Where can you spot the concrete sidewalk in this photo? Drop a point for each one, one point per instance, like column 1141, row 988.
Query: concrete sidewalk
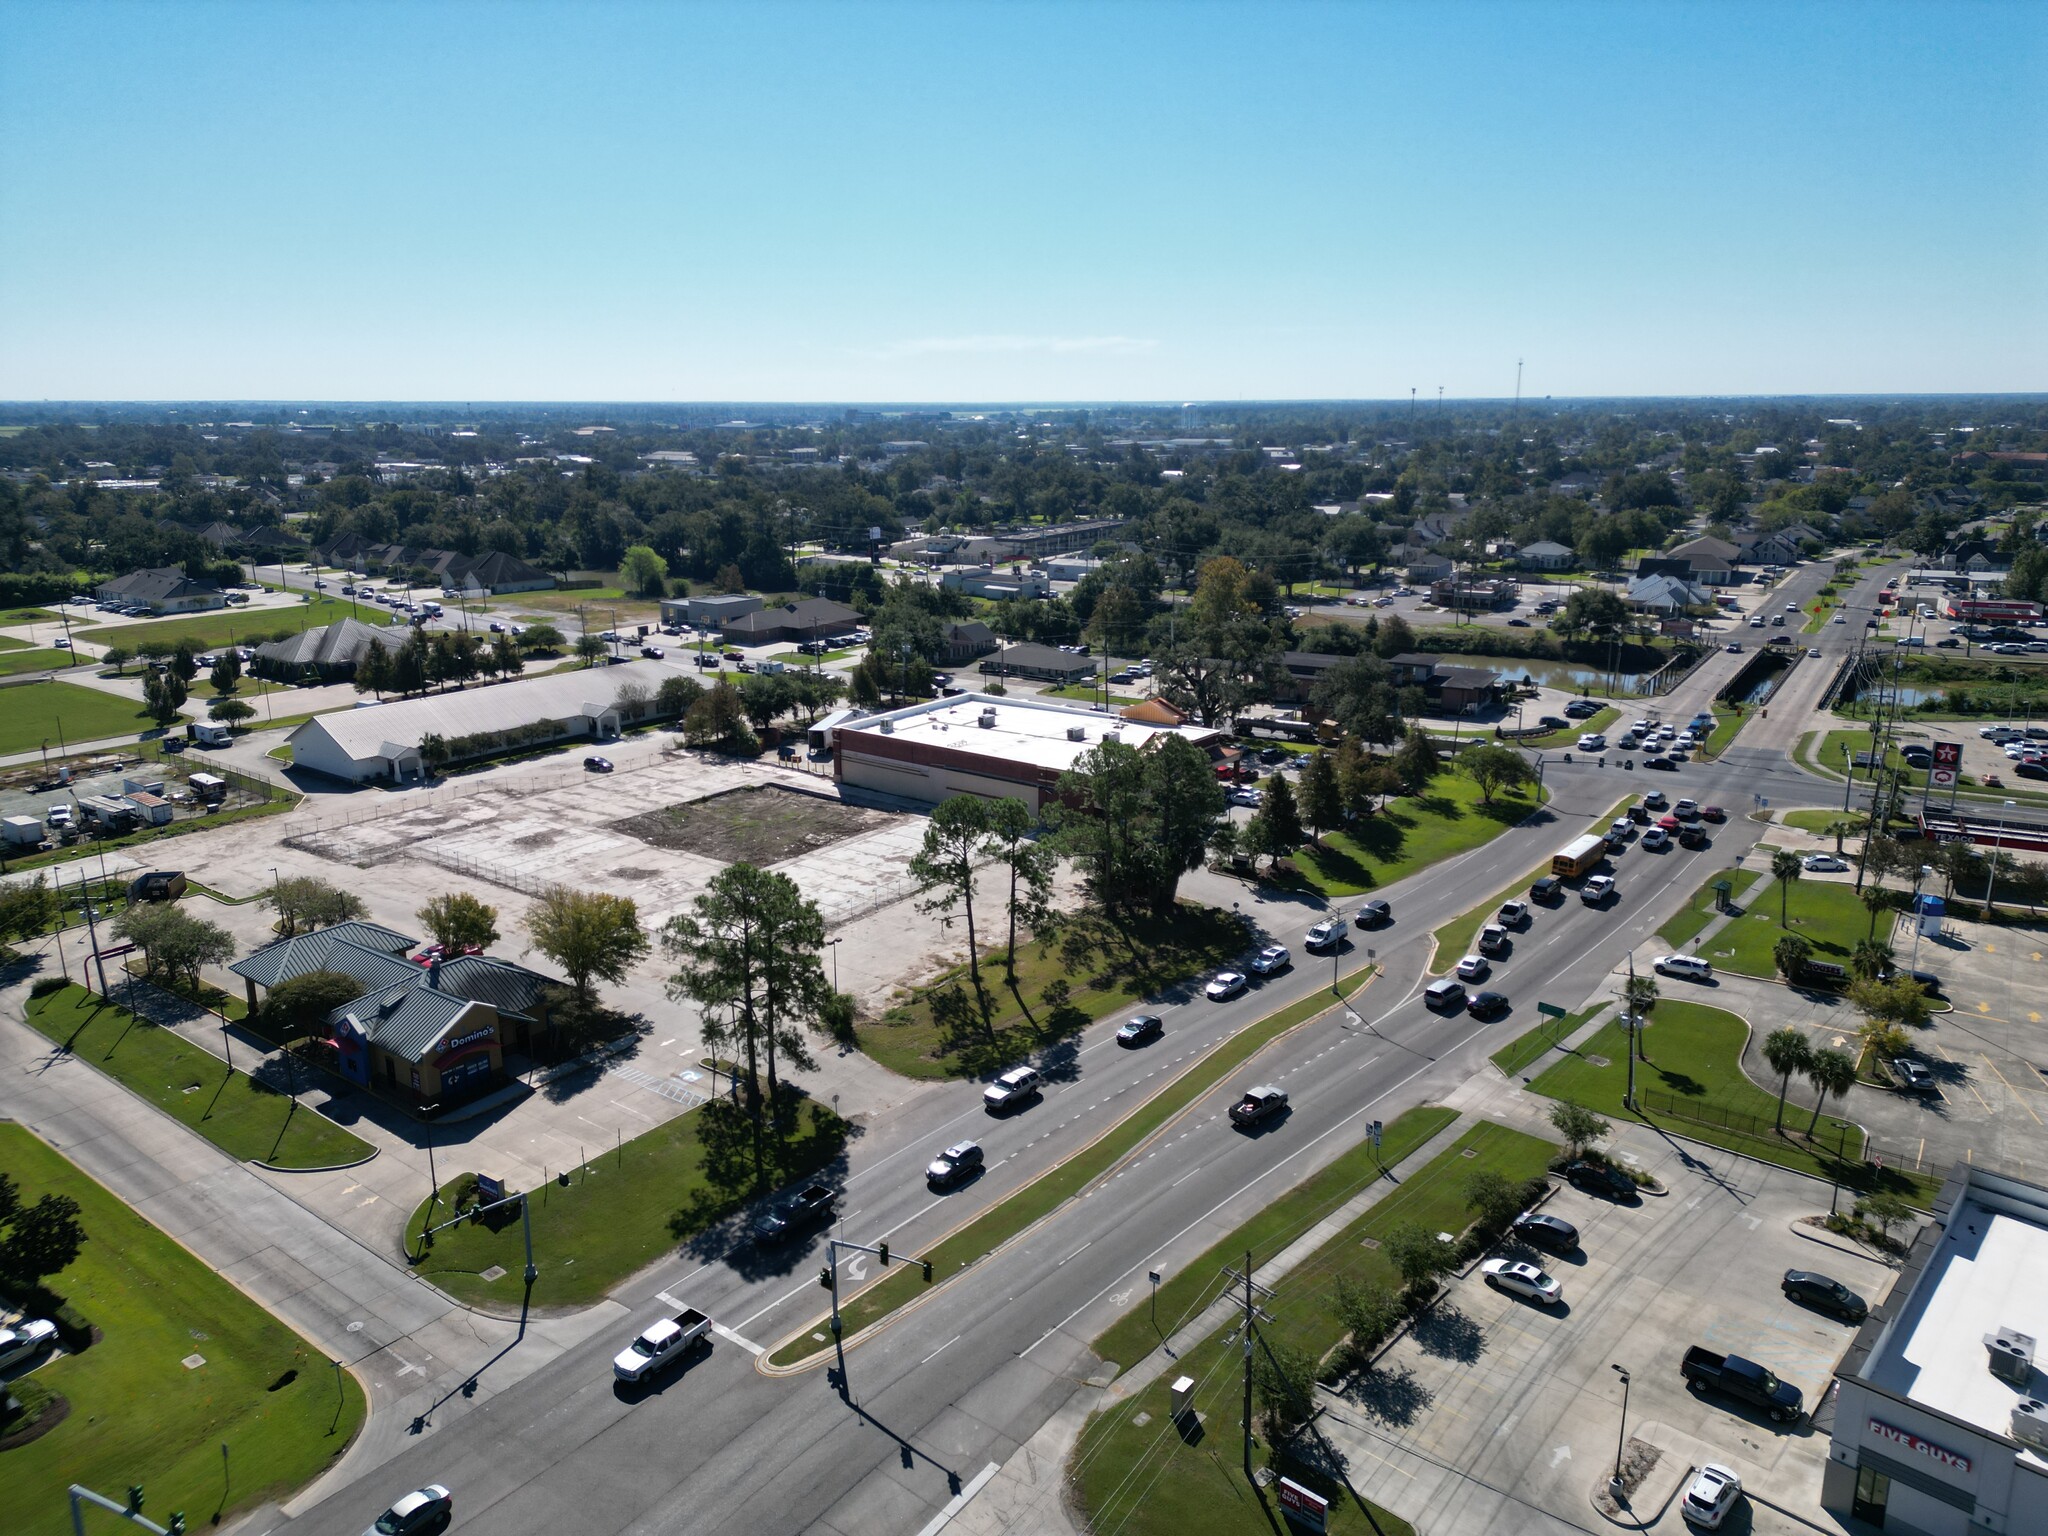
column 413, row 1349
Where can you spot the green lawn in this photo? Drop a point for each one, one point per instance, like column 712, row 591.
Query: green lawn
column 39, row 659
column 1408, row 834
column 1136, row 1472
column 15, row 616
column 233, row 626
column 1682, row 926
column 996, row 1226
column 1106, row 968
column 799, row 659
column 1692, row 1078
column 626, row 1209
column 1153, row 1318
column 1091, row 693
column 1532, row 1043
column 137, row 1413
column 1822, row 821
column 1822, row 910
column 1728, row 719
column 40, row 712
column 1569, row 736
column 244, row 1118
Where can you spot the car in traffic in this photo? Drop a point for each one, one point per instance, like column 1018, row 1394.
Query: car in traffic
column 955, row 1165
column 1015, row 1088
column 1823, row 864
column 1600, row 1179
column 1690, row 967
column 1655, row 838
column 1274, row 957
column 1593, row 742
column 1445, row 995
column 1547, row 889
column 598, row 764
column 1713, row 813
column 788, row 1215
column 1474, row 968
column 1487, row 1005
column 420, row 1513
column 1692, row 837
column 1258, row 1105
column 1655, row 800
column 1513, row 914
column 660, row 1344
column 1494, row 940
column 1596, row 890
column 1140, row 1029
column 1540, row 1229
column 1522, row 1279
column 1328, row 934
column 653, row 652
column 1710, row 1495
column 1374, row 914
column 1224, row 985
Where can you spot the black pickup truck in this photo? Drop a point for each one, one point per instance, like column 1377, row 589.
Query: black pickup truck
column 1744, row 1379
column 795, row 1212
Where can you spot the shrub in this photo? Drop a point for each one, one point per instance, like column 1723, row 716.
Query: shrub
column 45, row 985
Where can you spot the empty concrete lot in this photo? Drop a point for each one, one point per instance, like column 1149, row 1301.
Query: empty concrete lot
column 522, row 837
column 1498, row 1414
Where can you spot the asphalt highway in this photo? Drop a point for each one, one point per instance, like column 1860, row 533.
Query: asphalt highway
column 954, row 1384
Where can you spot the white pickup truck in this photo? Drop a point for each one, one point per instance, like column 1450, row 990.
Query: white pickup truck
column 660, row 1343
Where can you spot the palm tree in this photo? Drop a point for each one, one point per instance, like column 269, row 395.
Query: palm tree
column 1840, row 827
column 1638, row 997
column 1787, row 1052
column 1790, row 954
column 1875, row 898
column 1785, row 869
column 1830, row 1071
column 1871, row 958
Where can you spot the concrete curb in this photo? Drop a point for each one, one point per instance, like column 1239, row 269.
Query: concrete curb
column 323, row 1168
column 763, row 1362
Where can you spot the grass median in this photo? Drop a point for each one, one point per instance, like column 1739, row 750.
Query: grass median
column 987, row 1232
column 1684, row 925
column 192, row 1390
column 1568, row 738
column 1408, row 835
column 247, row 1118
column 1535, row 1043
column 1139, row 1471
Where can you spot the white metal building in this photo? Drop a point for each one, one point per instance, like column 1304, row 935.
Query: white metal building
column 1941, row 1411
column 978, row 744
column 383, row 741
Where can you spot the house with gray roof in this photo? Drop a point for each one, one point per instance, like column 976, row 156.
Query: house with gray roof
column 162, row 589
column 1666, row 594
column 364, row 952
column 1545, row 555
column 328, row 652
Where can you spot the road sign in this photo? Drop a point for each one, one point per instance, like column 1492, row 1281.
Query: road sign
column 1376, row 1129
column 1550, row 1010
column 1947, row 754
column 1942, row 778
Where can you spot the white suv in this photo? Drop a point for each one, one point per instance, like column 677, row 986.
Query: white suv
column 1593, row 743
column 1017, row 1086
column 1691, row 967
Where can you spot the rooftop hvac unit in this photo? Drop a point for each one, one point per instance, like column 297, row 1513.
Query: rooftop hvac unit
column 1077, row 733
column 888, row 727
column 2012, row 1355
column 988, row 719
column 2030, row 1422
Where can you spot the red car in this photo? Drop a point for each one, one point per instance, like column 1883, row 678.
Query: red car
column 435, row 952
column 1668, row 823
column 1713, row 813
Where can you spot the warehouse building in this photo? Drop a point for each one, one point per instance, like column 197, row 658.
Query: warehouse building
column 977, row 744
column 1941, row 1409
column 382, row 742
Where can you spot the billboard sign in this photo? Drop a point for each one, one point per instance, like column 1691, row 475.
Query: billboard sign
column 1303, row 1505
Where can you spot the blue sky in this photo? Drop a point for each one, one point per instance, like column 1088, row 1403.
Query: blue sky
column 1020, row 202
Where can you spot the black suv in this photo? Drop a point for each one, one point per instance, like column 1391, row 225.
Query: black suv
column 1374, row 914
column 1548, row 888
column 1600, row 1179
column 1541, row 1230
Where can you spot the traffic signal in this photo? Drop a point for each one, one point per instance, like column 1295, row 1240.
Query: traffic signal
column 825, row 1277
column 135, row 1498
column 177, row 1525
column 882, row 1253
column 927, row 1263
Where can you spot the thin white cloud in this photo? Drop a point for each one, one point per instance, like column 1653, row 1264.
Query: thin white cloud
column 929, row 345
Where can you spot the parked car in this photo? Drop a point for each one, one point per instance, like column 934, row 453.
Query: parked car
column 26, row 1339
column 1713, row 1491
column 1016, row 1087
column 1744, row 1379
column 1374, row 914
column 1274, row 957
column 1224, row 985
column 1524, row 1280
column 955, row 1165
column 1691, row 967
column 419, row 1513
column 1539, row 1229
column 1822, row 864
column 1911, row 1074
column 1600, row 1179
column 1824, row 1294
column 1246, row 796
column 1140, row 1028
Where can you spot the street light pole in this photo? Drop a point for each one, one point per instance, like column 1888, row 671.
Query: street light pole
column 1991, row 864
column 1925, row 870
column 1621, row 1436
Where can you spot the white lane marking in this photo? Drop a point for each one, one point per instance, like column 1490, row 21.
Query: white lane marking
column 1037, row 1341
column 747, row 1344
column 668, row 1301
column 959, row 1500
column 928, row 1359
column 1075, row 1254
column 812, row 1284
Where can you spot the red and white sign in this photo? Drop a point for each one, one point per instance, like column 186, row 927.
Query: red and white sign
column 1304, row 1504
column 1942, row 778
column 1947, row 754
column 1906, row 1440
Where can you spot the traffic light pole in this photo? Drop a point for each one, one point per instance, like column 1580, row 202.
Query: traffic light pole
column 131, row 1511
column 829, row 1279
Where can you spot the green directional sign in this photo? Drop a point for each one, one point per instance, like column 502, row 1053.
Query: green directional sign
column 1550, row 1010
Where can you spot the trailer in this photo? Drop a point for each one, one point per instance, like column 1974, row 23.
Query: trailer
column 21, row 832
column 209, row 787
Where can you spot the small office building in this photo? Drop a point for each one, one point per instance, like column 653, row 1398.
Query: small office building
column 1941, row 1410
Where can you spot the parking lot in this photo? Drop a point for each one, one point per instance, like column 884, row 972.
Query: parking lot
column 1497, row 1412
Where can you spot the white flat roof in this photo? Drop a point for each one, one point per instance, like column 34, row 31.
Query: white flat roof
column 1025, row 731
column 1986, row 1274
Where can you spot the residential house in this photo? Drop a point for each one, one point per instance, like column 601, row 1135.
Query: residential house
column 1711, row 561
column 966, row 640
column 1545, row 555
column 1449, row 689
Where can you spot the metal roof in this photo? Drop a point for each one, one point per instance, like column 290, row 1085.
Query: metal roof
column 511, row 989
column 367, row 954
column 382, row 729
column 408, row 1021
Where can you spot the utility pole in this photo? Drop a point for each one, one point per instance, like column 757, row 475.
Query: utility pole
column 1252, row 1291
column 1634, row 1024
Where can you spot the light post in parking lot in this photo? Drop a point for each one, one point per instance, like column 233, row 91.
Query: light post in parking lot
column 833, row 945
column 1925, row 870
column 1614, row 1486
column 1991, row 863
